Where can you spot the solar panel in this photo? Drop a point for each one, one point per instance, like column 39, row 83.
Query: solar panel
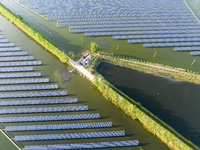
column 22, row 58
column 85, row 145
column 171, row 44
column 23, row 81
column 16, row 69
column 33, row 94
column 38, row 102
column 20, row 63
column 7, row 49
column 69, row 136
column 43, row 109
column 20, row 75
column 28, row 87
column 50, row 118
column 59, row 126
column 13, row 53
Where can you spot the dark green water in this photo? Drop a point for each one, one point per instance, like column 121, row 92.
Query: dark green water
column 175, row 102
column 79, row 87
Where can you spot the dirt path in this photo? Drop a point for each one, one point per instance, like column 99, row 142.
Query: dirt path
column 81, row 69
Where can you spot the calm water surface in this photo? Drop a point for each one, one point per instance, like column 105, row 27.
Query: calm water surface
column 175, row 102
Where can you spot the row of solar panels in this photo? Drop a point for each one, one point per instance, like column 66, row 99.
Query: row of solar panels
column 136, row 29
column 33, row 94
column 3, row 40
column 171, row 44
column 50, row 118
column 153, row 19
column 6, row 44
column 164, row 40
column 70, row 12
column 20, row 63
column 156, row 36
column 43, row 109
column 100, row 4
column 28, row 87
column 21, row 53
column 170, row 14
column 178, row 24
column 43, row 8
column 20, row 75
column 195, row 53
column 38, row 102
column 23, row 81
column 6, row 49
column 84, row 145
column 69, row 136
column 194, row 48
column 22, row 58
column 16, row 69
column 62, row 9
column 142, row 32
column 59, row 126
column 85, row 19
column 126, row 21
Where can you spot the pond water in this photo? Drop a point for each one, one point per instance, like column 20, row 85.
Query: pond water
column 175, row 102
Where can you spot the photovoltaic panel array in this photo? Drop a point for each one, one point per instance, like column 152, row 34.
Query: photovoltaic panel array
column 26, row 84
column 49, row 118
column 8, row 49
column 128, row 19
column 59, row 126
column 13, row 53
column 28, row 87
column 15, row 69
column 38, row 102
column 20, row 75
column 42, row 109
column 69, row 136
column 33, row 94
column 85, row 145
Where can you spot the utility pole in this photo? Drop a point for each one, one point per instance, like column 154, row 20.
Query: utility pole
column 155, row 54
column 117, row 46
column 193, row 62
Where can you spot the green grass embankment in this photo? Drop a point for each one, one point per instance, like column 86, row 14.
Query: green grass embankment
column 176, row 73
column 28, row 29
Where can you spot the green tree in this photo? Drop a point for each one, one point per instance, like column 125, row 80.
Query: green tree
column 94, row 47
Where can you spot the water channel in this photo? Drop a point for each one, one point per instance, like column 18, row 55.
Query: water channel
column 79, row 87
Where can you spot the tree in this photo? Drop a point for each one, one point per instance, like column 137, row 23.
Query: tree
column 94, row 47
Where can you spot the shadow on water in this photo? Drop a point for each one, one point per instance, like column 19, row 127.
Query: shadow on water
column 166, row 99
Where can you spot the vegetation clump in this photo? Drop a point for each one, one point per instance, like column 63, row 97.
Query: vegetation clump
column 94, row 47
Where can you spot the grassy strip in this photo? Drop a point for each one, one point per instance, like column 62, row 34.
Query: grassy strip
column 28, row 29
column 176, row 73
column 154, row 125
